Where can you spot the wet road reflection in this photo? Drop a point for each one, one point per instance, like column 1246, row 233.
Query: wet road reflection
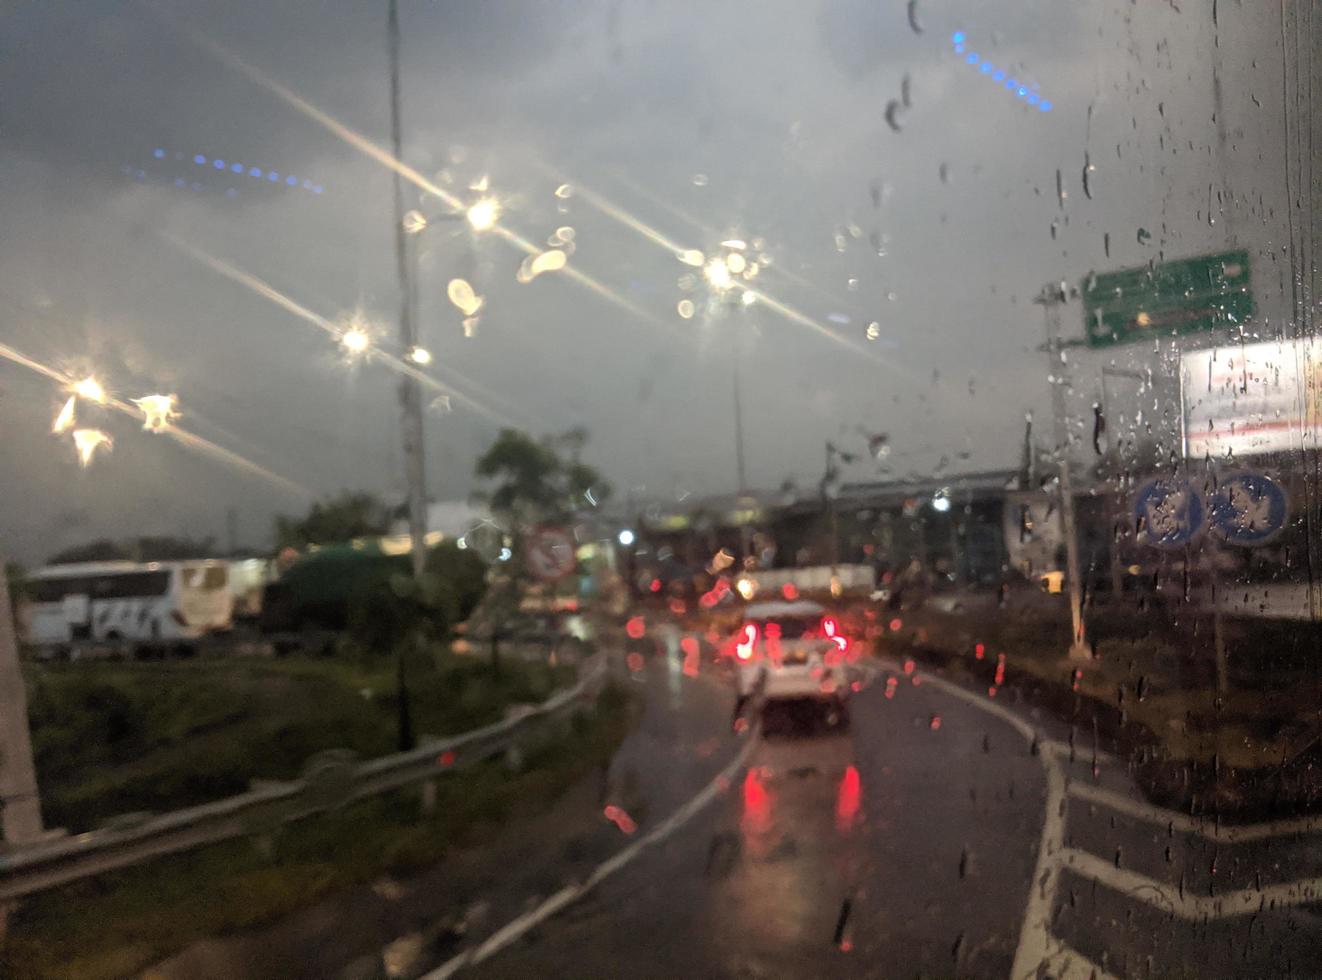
column 897, row 846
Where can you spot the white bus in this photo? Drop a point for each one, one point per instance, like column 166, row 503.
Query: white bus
column 127, row 606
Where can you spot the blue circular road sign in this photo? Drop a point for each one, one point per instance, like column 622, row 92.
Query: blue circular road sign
column 1247, row 509
column 1168, row 513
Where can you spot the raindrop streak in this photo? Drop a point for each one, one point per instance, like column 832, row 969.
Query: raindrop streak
column 1088, row 169
column 893, row 115
column 914, row 23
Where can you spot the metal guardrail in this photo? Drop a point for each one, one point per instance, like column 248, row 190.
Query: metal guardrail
column 263, row 809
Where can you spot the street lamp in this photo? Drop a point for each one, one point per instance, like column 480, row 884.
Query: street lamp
column 727, row 273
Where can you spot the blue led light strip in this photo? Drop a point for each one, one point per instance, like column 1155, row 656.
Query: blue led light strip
column 1023, row 91
column 257, row 173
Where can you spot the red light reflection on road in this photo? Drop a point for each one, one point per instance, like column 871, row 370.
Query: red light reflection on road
column 848, row 798
column 446, row 758
column 891, row 684
column 979, row 650
column 620, row 818
column 756, row 820
column 692, row 654
column 635, row 661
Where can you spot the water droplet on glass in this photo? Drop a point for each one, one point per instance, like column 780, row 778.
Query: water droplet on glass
column 892, row 296
column 439, row 405
column 944, row 172
column 414, row 221
column 534, row 265
column 841, row 243
column 470, row 326
column 691, row 256
column 461, row 295
column 686, row 309
column 564, row 192
column 852, row 285
column 893, row 115
column 688, row 282
column 914, row 23
column 699, row 180
column 1088, row 170
column 1144, row 236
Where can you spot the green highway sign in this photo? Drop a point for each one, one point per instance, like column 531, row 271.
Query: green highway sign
column 1187, row 296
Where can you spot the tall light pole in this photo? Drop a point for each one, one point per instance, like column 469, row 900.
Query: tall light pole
column 1053, row 295
column 410, row 392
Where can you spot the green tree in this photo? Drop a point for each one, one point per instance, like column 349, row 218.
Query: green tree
column 334, row 521
column 540, row 480
column 537, row 481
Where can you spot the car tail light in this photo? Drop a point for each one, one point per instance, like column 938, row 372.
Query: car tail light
column 831, row 629
column 747, row 641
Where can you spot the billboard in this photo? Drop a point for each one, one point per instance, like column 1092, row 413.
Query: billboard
column 1251, row 399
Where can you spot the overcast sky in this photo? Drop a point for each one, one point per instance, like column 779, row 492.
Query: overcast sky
column 702, row 121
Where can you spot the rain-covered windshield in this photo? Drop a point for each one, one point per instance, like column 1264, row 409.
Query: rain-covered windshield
column 488, row 366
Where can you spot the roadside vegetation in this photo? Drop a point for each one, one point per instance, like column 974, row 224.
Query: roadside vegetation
column 1151, row 690
column 120, row 923
column 111, row 738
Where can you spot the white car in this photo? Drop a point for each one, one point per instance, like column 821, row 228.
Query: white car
column 790, row 651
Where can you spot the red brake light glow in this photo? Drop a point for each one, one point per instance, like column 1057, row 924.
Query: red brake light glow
column 831, row 628
column 747, row 641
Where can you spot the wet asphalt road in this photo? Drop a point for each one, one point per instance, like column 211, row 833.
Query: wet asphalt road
column 901, row 847
column 928, row 841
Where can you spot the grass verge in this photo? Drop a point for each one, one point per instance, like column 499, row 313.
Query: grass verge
column 1150, row 694
column 117, row 924
column 117, row 738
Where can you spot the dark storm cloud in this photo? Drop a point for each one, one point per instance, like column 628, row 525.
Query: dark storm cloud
column 780, row 107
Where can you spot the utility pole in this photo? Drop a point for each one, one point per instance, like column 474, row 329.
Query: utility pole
column 20, row 806
column 1052, row 297
column 410, row 393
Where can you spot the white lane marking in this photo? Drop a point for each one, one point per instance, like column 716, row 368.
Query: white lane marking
column 1036, row 944
column 1186, row 905
column 1183, row 822
column 1069, row 964
column 571, row 893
